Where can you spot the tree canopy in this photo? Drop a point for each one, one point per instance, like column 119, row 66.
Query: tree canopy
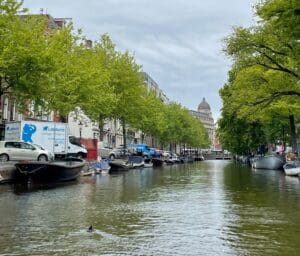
column 263, row 84
column 52, row 67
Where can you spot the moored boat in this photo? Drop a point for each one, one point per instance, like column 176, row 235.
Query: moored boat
column 119, row 165
column 157, row 161
column 136, row 161
column 148, row 163
column 101, row 166
column 7, row 173
column 292, row 168
column 188, row 159
column 271, row 162
column 48, row 172
column 173, row 159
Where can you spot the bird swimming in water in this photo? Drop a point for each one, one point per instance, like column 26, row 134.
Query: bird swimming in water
column 90, row 229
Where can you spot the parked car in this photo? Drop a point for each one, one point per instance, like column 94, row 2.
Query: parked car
column 118, row 152
column 17, row 150
column 140, row 149
column 174, row 158
column 166, row 153
column 155, row 153
column 105, row 151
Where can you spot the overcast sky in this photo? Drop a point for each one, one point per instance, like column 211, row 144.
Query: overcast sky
column 177, row 42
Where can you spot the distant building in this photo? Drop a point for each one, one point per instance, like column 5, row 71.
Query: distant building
column 204, row 114
column 152, row 85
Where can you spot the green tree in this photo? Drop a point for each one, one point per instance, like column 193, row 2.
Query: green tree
column 182, row 128
column 23, row 62
column 151, row 115
column 128, row 86
column 78, row 77
column 50, row 67
column 265, row 76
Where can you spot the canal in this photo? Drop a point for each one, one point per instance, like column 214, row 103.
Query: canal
column 206, row 208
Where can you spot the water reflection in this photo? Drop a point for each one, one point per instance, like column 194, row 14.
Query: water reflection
column 205, row 208
column 266, row 207
column 21, row 188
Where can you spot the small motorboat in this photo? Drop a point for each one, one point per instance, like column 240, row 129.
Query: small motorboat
column 271, row 162
column 172, row 159
column 48, row 172
column 157, row 161
column 101, row 166
column 136, row 161
column 119, row 165
column 189, row 159
column 7, row 173
column 148, row 163
column 292, row 168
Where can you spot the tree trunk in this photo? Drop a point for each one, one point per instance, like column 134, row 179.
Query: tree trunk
column 293, row 133
column 124, row 133
column 100, row 127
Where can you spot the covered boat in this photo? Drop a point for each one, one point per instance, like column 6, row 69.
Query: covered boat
column 101, row 166
column 271, row 162
column 48, row 172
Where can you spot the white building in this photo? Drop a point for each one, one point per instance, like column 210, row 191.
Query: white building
column 152, row 85
column 204, row 114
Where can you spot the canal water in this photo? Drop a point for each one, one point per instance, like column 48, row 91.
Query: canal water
column 205, row 208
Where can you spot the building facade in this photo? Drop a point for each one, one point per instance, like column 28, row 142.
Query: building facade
column 153, row 86
column 205, row 116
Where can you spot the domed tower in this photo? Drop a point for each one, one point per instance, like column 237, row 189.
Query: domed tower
column 204, row 107
column 205, row 115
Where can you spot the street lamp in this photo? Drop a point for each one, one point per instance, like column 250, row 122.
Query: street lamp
column 80, row 124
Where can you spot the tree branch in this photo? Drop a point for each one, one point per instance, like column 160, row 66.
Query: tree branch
column 266, row 101
column 279, row 67
column 262, row 46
